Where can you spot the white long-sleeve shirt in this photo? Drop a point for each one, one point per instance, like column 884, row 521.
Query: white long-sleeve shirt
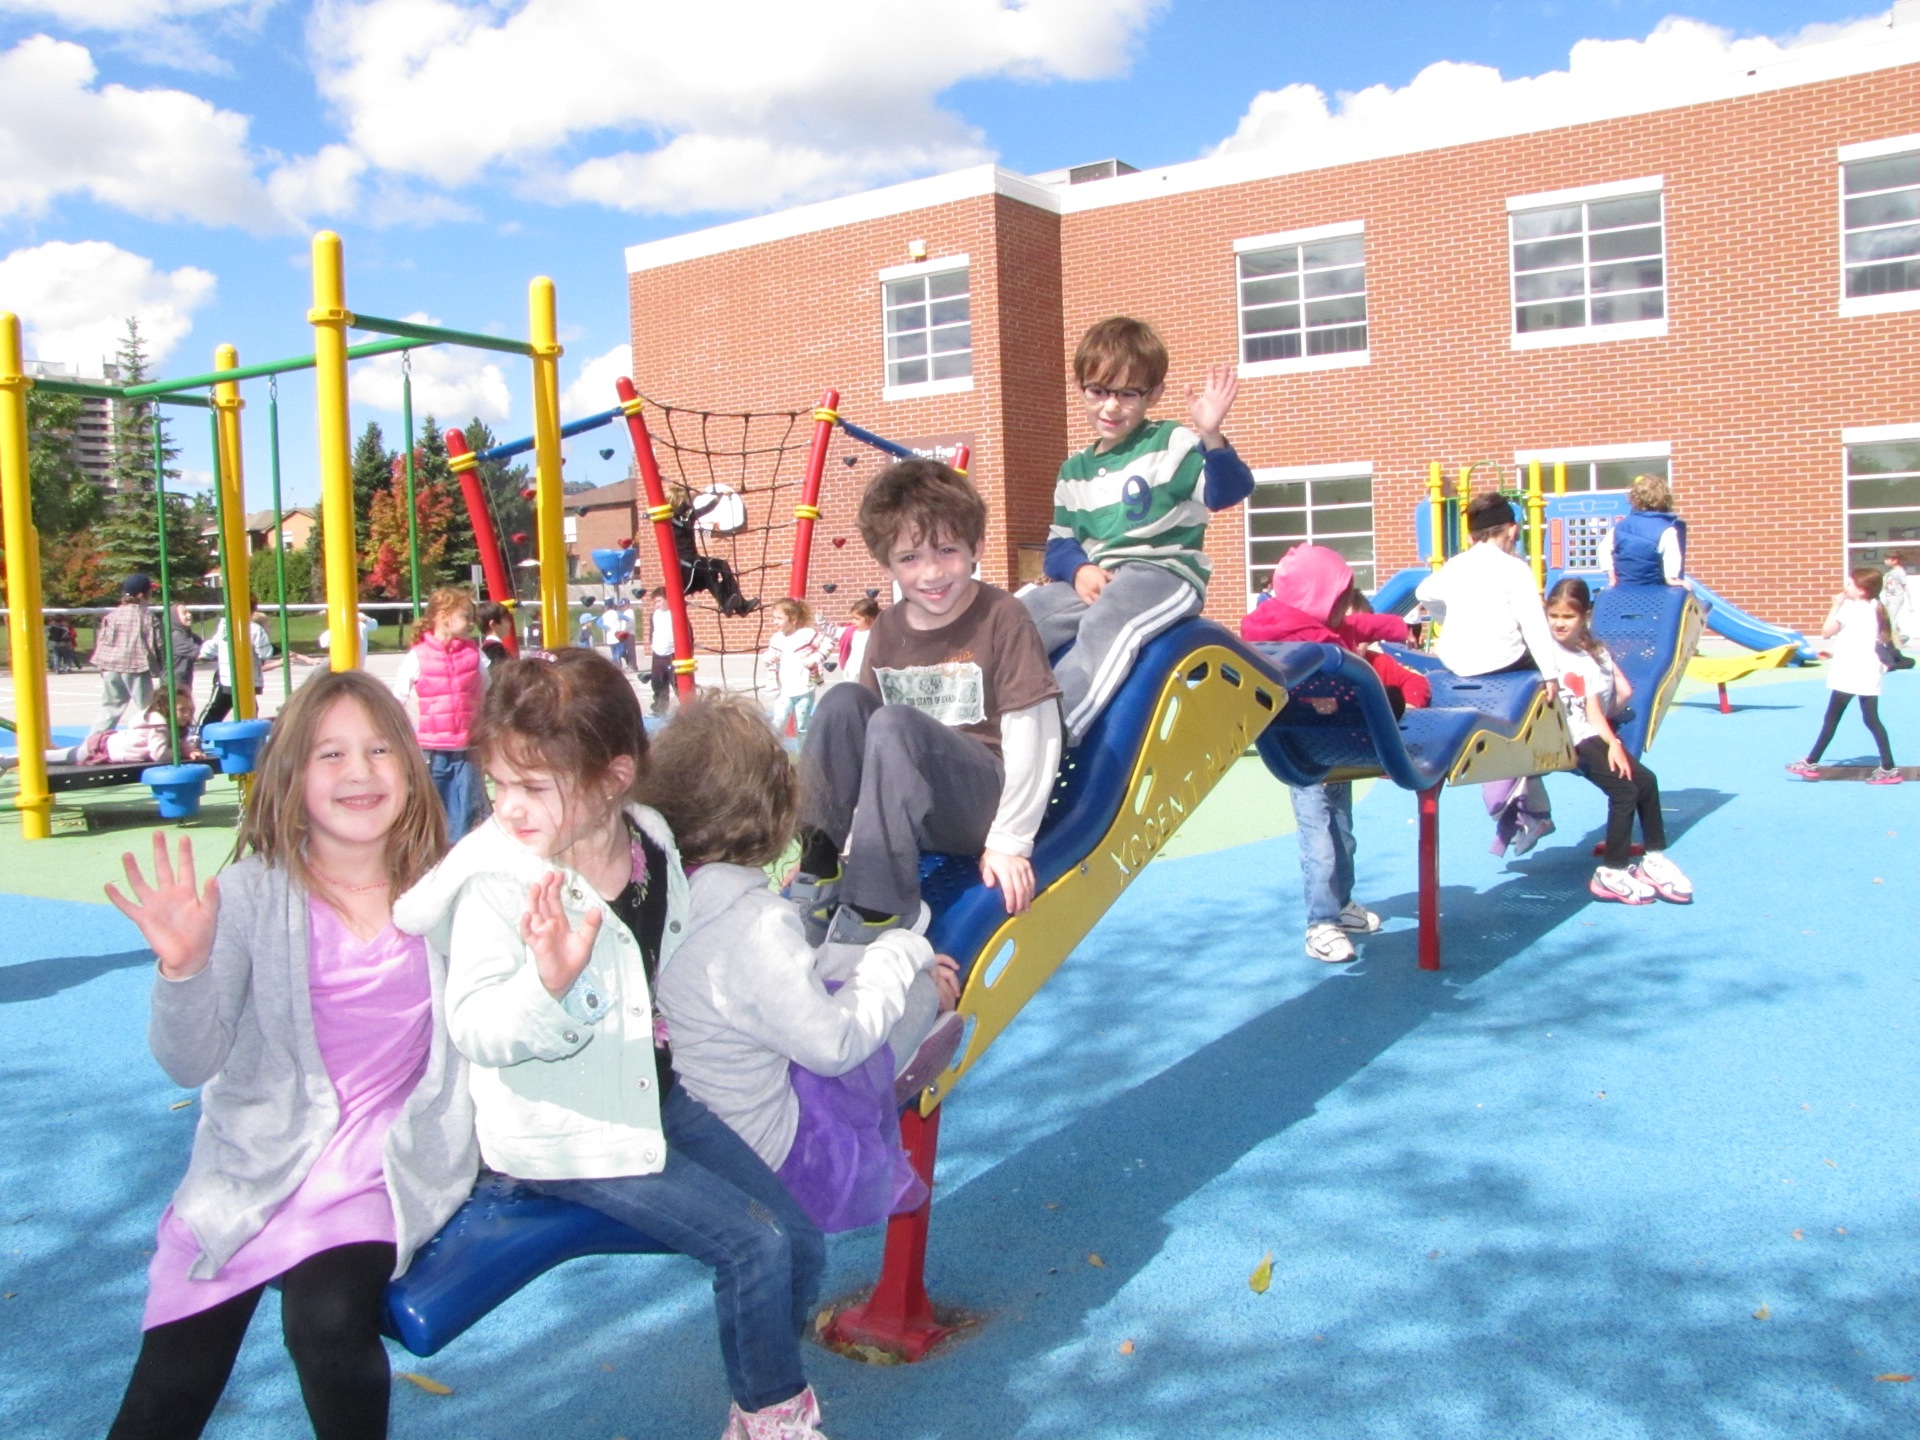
column 1030, row 752
column 1489, row 613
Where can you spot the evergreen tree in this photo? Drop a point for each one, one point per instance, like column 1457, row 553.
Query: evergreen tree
column 507, row 488
column 64, row 499
column 128, row 535
column 430, row 467
column 372, row 468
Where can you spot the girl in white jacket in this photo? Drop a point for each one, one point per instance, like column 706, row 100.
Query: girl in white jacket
column 561, row 913
column 795, row 1051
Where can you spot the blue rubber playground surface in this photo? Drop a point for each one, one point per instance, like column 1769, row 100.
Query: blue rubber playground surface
column 1639, row 1173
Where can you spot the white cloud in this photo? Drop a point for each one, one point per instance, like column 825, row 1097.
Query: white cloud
column 121, row 14
column 592, row 389
column 74, row 299
column 748, row 105
column 1451, row 103
column 158, row 154
column 451, row 384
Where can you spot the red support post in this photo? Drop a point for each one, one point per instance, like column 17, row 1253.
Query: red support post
column 1429, row 878
column 898, row 1317
column 1726, row 705
column 493, row 561
column 808, row 510
column 660, row 512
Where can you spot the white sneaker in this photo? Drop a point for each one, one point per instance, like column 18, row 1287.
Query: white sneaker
column 1664, row 877
column 1620, row 885
column 1327, row 941
column 1356, row 917
column 795, row 1419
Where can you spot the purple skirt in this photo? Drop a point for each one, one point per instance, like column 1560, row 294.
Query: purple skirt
column 847, row 1168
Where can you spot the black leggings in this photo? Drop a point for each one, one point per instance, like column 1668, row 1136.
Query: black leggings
column 1635, row 794
column 330, row 1318
column 1869, row 712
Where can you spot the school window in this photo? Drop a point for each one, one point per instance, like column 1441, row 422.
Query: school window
column 1593, row 474
column 1883, row 498
column 1588, row 264
column 1880, row 227
column 1303, row 299
column 928, row 324
column 1330, row 505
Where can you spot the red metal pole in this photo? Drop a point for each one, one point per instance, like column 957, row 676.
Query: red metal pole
column 1429, row 882
column 660, row 512
column 898, row 1316
column 465, row 464
column 1726, row 705
column 808, row 510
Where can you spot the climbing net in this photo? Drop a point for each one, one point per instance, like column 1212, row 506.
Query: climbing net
column 735, row 479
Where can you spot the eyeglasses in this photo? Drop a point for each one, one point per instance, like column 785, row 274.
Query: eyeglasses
column 1099, row 394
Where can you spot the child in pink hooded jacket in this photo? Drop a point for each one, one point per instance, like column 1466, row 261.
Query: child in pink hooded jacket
column 1312, row 598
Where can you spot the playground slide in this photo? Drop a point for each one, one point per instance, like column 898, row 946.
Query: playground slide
column 1395, row 597
column 1728, row 619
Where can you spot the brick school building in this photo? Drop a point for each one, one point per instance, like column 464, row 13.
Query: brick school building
column 1725, row 290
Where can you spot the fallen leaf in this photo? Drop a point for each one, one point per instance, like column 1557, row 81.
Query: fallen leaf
column 1763, row 1313
column 1799, row 1235
column 606, row 1367
column 1829, row 1164
column 1262, row 1275
column 1094, row 1260
column 1878, row 881
column 1051, row 1205
column 1600, row 1095
column 181, row 1104
column 10, row 1295
column 432, row 1387
column 1126, row 1347
column 1896, row 1379
column 1839, row 1229
column 822, row 1321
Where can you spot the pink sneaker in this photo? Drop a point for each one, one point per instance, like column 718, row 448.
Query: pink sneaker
column 1805, row 769
column 1882, row 775
column 795, row 1419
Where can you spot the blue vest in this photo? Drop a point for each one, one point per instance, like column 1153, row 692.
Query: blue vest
column 1636, row 546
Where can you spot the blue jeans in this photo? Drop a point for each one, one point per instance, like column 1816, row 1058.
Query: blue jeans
column 456, row 780
column 800, row 707
column 718, row 1202
column 1323, row 814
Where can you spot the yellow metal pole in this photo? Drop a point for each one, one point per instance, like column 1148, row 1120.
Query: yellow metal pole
column 1465, row 494
column 237, row 584
column 1437, row 498
column 1559, row 477
column 24, row 622
column 330, row 319
column 1536, row 511
column 543, row 332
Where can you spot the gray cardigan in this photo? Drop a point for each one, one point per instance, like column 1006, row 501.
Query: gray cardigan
column 242, row 1029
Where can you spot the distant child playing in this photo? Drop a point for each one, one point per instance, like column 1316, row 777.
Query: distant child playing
column 853, row 640
column 795, row 653
column 336, row 1126
column 562, row 912
column 497, row 638
column 660, row 651
column 1592, row 690
column 952, row 737
column 1313, row 599
column 1129, row 515
column 1855, row 624
column 440, row 681
column 801, row 1066
column 1649, row 545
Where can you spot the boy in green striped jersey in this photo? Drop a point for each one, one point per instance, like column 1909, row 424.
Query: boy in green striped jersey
column 1129, row 515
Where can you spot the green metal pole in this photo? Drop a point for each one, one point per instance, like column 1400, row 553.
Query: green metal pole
column 279, row 534
column 413, row 513
column 166, row 577
column 242, row 372
column 238, row 616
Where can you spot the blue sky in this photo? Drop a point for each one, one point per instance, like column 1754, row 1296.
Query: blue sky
column 172, row 157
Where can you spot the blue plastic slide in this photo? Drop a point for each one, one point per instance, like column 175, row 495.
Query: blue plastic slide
column 1396, row 596
column 1728, row 619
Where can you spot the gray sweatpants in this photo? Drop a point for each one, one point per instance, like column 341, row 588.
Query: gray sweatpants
column 117, row 691
column 885, row 782
column 1139, row 602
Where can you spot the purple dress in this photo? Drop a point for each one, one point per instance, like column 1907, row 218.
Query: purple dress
column 373, row 1018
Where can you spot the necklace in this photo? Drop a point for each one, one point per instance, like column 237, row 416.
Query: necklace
column 345, row 888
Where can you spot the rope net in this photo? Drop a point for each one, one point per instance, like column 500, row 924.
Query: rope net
column 733, row 480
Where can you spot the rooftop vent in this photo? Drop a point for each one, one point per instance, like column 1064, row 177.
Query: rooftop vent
column 1100, row 170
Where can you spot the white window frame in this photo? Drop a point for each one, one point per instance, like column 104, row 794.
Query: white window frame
column 1281, row 474
column 1588, row 455
column 1867, row 435
column 1590, row 334
column 1852, row 305
column 955, row 385
column 1346, row 360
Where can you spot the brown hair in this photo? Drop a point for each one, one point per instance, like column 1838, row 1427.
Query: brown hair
column 567, row 712
column 274, row 826
column 1488, row 513
column 1650, row 492
column 1572, row 590
column 1119, row 351
column 1869, row 579
column 926, row 501
column 723, row 782
column 865, row 608
column 491, row 613
column 798, row 611
column 443, row 601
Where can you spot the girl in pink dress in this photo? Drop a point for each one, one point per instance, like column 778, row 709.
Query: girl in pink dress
column 336, row 1126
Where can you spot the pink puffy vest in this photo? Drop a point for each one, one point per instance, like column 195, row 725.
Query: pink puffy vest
column 447, row 693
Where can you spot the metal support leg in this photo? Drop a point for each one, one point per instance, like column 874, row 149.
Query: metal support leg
column 1726, row 705
column 898, row 1316
column 1430, row 878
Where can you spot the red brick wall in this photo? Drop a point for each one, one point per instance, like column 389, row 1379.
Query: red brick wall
column 1751, row 387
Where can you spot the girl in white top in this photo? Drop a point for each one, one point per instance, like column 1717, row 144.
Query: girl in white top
column 1591, row 691
column 1855, row 625
column 797, row 654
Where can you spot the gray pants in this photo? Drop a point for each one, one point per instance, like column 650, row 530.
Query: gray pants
column 117, row 689
column 885, row 782
column 1139, row 602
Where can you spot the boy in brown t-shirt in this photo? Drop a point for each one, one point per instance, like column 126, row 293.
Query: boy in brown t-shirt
column 951, row 739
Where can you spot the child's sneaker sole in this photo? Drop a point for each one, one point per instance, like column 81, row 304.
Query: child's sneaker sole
column 1885, row 777
column 1600, row 890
